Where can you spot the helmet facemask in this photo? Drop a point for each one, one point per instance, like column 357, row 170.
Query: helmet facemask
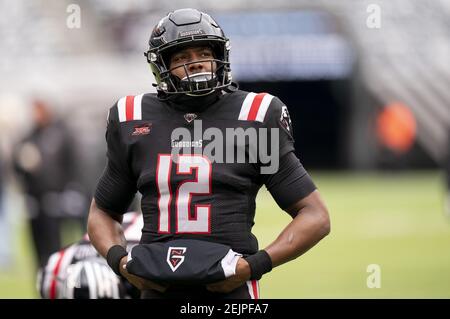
column 200, row 83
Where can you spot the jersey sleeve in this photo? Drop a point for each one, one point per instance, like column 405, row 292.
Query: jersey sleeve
column 287, row 180
column 290, row 183
column 117, row 186
column 277, row 118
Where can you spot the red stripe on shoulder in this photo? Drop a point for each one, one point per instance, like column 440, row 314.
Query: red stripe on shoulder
column 129, row 106
column 255, row 106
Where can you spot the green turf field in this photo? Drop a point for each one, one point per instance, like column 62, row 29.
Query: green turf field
column 394, row 220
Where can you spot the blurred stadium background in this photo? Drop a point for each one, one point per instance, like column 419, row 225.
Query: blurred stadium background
column 366, row 83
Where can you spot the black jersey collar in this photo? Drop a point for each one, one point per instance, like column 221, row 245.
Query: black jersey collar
column 186, row 103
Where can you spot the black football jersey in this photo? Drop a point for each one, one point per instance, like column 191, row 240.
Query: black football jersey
column 188, row 194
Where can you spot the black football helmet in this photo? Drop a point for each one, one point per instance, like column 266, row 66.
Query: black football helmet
column 186, row 28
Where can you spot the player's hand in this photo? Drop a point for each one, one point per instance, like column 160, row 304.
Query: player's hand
column 139, row 282
column 232, row 282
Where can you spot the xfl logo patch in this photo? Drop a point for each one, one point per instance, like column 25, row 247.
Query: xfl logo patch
column 175, row 257
column 143, row 129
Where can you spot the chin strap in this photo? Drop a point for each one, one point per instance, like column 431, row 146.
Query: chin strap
column 163, row 96
column 233, row 87
column 199, row 95
column 189, row 103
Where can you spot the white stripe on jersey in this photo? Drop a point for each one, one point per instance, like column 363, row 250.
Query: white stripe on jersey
column 245, row 108
column 263, row 107
column 250, row 288
column 121, row 108
column 137, row 112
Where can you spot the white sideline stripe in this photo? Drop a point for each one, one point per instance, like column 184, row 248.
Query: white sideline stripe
column 121, row 109
column 137, row 111
column 263, row 107
column 245, row 108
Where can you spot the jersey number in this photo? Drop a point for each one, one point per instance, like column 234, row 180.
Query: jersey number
column 200, row 223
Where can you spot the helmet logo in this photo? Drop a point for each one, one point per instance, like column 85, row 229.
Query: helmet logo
column 189, row 117
column 175, row 257
column 190, row 33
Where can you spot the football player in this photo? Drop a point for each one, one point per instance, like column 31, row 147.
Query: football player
column 79, row 272
column 198, row 208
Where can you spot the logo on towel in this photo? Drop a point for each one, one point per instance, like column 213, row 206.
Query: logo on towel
column 175, row 257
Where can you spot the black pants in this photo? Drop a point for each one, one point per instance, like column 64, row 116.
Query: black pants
column 46, row 236
column 250, row 290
